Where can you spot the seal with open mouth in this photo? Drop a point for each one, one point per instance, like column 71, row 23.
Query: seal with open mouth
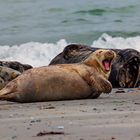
column 125, row 68
column 87, row 79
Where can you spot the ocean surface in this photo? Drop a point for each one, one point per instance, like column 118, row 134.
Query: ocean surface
column 35, row 31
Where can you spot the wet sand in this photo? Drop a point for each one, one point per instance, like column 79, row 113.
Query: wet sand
column 111, row 117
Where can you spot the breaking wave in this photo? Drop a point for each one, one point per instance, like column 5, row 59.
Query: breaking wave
column 40, row 54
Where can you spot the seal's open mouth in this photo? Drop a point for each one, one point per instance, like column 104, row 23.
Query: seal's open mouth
column 107, row 64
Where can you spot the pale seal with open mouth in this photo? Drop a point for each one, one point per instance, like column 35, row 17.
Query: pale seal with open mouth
column 87, row 79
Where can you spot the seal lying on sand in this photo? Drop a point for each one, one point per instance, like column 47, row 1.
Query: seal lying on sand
column 87, row 79
column 15, row 65
column 125, row 68
column 6, row 75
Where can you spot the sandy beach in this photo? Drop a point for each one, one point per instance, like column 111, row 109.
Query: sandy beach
column 111, row 117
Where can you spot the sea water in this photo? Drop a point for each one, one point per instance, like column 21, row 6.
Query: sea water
column 35, row 31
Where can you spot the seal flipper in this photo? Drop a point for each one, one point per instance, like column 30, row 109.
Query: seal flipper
column 98, row 86
column 8, row 90
column 10, row 97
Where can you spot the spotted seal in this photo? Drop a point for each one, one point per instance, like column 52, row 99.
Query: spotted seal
column 6, row 75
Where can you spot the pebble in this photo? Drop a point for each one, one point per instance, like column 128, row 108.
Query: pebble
column 11, row 115
column 120, row 91
column 60, row 127
column 14, row 137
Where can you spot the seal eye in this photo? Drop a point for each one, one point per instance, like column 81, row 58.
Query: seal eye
column 106, row 64
column 100, row 51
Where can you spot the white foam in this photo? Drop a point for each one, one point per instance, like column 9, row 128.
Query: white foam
column 106, row 41
column 33, row 53
column 40, row 54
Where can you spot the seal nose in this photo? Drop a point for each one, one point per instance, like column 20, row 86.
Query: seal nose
column 110, row 54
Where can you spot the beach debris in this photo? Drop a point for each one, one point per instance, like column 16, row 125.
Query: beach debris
column 130, row 90
column 36, row 120
column 43, row 133
column 137, row 103
column 14, row 137
column 28, row 128
column 120, row 90
column 46, row 107
column 50, row 107
column 33, row 120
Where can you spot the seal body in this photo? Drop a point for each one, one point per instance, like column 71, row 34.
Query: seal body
column 63, row 82
column 15, row 65
column 125, row 68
